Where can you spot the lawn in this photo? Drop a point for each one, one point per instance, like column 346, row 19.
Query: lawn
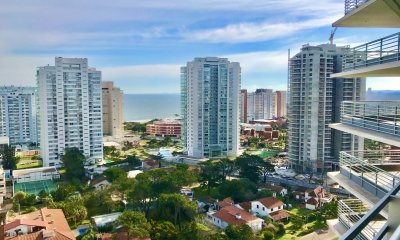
column 29, row 164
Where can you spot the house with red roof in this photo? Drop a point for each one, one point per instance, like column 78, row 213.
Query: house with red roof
column 226, row 202
column 269, row 207
column 49, row 224
column 232, row 215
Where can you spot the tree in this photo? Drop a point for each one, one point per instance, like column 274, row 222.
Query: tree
column 264, row 193
column 297, row 222
column 249, row 166
column 242, row 232
column 163, row 231
column 114, row 173
column 240, row 190
column 134, row 161
column 7, row 155
column 210, row 174
column 73, row 161
column 329, row 210
column 90, row 234
column 135, row 224
column 176, row 208
column 264, row 168
column 73, row 208
column 62, row 192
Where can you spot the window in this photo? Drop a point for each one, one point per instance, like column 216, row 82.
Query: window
column 257, row 206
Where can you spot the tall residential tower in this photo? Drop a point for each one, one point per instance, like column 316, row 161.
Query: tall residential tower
column 314, row 103
column 70, row 109
column 210, row 89
column 113, row 110
column 260, row 104
column 18, row 114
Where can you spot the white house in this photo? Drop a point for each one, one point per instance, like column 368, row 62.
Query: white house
column 231, row 215
column 269, row 207
column 35, row 174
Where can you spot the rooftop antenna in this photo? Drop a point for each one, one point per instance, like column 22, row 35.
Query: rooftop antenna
column 333, row 31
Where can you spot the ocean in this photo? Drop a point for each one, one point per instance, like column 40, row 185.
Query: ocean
column 151, row 106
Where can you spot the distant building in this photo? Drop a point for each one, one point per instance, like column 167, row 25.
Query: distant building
column 260, row 104
column 243, row 106
column 165, row 127
column 2, row 185
column 35, row 174
column 314, row 103
column 279, row 104
column 39, row 225
column 113, row 110
column 262, row 131
column 105, row 219
column 210, row 90
column 18, row 119
column 70, row 110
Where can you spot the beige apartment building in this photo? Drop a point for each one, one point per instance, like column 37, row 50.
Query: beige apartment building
column 113, row 112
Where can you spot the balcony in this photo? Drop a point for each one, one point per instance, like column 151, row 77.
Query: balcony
column 370, row 13
column 350, row 211
column 379, row 58
column 376, row 120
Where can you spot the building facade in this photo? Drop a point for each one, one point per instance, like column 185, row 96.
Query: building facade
column 210, row 89
column 113, row 110
column 18, row 114
column 279, row 103
column 70, row 109
column 314, row 103
column 243, row 106
column 165, row 127
column 260, row 104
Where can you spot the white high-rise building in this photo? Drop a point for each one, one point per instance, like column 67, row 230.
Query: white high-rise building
column 210, row 89
column 18, row 114
column 70, row 109
column 113, row 110
column 314, row 103
column 260, row 104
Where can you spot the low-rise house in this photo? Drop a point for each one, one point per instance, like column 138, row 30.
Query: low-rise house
column 134, row 173
column 35, row 174
column 105, row 219
column 39, row 225
column 314, row 198
column 100, row 183
column 206, row 203
column 275, row 189
column 231, row 215
column 226, row 202
column 269, row 207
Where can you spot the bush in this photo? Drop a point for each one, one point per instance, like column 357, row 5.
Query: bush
column 268, row 235
column 281, row 228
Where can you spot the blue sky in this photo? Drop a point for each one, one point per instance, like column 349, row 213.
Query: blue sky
column 140, row 45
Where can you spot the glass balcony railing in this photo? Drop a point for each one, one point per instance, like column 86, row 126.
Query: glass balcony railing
column 375, row 171
column 379, row 116
column 384, row 50
column 350, row 5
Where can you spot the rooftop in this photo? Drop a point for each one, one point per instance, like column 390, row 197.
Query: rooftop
column 235, row 216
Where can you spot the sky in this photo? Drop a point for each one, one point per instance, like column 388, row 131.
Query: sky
column 140, row 45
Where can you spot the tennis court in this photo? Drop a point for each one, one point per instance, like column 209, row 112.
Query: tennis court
column 35, row 187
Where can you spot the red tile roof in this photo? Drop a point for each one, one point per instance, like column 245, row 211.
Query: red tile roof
column 270, row 202
column 39, row 236
column 279, row 215
column 312, row 201
column 226, row 202
column 230, row 215
column 246, row 206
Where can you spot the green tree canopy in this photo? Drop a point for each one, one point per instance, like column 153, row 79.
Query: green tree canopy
column 7, row 155
column 175, row 208
column 242, row 232
column 163, row 231
column 73, row 161
column 135, row 224
column 114, row 173
column 240, row 190
column 249, row 166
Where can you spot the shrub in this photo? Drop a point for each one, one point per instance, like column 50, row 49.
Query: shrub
column 268, row 235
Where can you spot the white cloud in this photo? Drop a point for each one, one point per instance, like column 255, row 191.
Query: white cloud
column 255, row 32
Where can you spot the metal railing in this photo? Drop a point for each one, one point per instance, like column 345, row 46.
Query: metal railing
column 350, row 211
column 380, row 116
column 350, row 5
column 377, row 52
column 366, row 168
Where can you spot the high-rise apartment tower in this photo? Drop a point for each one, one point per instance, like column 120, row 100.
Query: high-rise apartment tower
column 70, row 109
column 210, row 89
